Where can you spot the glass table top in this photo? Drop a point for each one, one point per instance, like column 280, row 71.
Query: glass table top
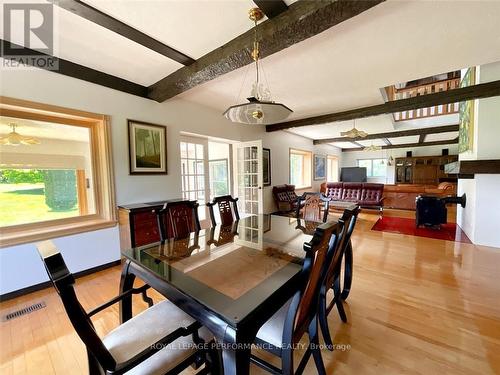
column 231, row 270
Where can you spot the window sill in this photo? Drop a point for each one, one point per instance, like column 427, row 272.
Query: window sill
column 40, row 231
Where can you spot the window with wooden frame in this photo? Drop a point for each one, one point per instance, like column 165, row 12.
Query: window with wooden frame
column 332, row 168
column 56, row 175
column 300, row 168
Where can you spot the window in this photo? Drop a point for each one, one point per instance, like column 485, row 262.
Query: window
column 58, row 180
column 374, row 167
column 219, row 180
column 300, row 168
column 332, row 168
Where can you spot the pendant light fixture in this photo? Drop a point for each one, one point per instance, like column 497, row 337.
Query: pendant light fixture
column 16, row 139
column 260, row 109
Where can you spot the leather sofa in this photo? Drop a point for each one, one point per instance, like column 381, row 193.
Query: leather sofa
column 403, row 196
column 365, row 194
column 285, row 197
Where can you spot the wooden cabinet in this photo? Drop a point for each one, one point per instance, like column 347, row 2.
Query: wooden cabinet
column 423, row 170
column 137, row 223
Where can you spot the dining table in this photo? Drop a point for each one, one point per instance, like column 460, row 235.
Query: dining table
column 231, row 279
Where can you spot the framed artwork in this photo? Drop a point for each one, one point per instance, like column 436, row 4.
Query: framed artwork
column 319, row 167
column 266, row 166
column 466, row 113
column 147, row 144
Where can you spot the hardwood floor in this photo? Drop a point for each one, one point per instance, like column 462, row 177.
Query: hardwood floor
column 417, row 306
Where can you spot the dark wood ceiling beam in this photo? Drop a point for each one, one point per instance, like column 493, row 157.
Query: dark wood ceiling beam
column 397, row 134
column 271, row 8
column 302, row 20
column 421, row 139
column 74, row 70
column 408, row 145
column 94, row 15
column 483, row 90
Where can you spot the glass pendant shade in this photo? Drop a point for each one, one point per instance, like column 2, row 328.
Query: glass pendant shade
column 257, row 112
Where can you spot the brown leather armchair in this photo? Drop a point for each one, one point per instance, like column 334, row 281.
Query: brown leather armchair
column 285, row 197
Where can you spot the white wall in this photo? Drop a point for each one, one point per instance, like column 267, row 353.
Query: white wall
column 480, row 219
column 21, row 265
column 350, row 159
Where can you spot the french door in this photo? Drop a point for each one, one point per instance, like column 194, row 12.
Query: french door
column 194, row 173
column 248, row 176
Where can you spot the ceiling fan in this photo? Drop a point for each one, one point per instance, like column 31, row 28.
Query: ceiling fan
column 16, row 139
column 354, row 133
column 372, row 147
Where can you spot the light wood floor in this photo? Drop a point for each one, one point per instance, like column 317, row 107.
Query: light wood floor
column 417, row 306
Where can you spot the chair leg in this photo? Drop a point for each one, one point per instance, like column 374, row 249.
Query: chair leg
column 323, row 320
column 315, row 348
column 94, row 367
column 338, row 300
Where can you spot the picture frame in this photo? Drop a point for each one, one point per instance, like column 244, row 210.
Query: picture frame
column 147, row 145
column 319, row 167
column 266, row 166
column 466, row 115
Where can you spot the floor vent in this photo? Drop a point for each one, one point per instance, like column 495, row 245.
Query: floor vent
column 26, row 310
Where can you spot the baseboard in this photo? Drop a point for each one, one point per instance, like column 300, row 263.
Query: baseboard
column 48, row 284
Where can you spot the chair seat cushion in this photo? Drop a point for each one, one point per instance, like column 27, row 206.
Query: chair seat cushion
column 145, row 329
column 272, row 330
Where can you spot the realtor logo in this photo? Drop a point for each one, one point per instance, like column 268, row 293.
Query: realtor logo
column 28, row 30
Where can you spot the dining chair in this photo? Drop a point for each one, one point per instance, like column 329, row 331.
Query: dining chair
column 298, row 316
column 160, row 340
column 312, row 205
column 177, row 219
column 332, row 280
column 228, row 210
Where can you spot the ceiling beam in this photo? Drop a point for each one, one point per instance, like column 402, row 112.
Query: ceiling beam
column 421, row 139
column 483, row 90
column 271, row 8
column 74, row 70
column 94, row 15
column 302, row 20
column 408, row 145
column 401, row 133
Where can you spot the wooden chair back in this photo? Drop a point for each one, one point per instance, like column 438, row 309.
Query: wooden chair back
column 228, row 210
column 63, row 282
column 312, row 205
column 178, row 219
column 320, row 250
column 349, row 218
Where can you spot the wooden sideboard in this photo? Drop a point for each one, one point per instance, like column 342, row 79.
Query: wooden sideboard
column 137, row 223
column 425, row 170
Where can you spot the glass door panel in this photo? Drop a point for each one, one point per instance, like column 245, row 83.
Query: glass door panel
column 194, row 177
column 248, row 176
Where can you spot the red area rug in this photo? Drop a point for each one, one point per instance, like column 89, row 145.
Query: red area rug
column 448, row 232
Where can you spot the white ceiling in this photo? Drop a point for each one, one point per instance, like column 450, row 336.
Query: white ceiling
column 44, row 130
column 342, row 68
column 441, row 136
column 404, row 140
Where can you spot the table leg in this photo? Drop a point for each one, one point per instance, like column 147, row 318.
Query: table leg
column 347, row 272
column 126, row 283
column 236, row 353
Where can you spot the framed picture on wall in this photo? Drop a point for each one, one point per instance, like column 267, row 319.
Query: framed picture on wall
column 266, row 166
column 147, row 145
column 466, row 115
column 319, row 167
